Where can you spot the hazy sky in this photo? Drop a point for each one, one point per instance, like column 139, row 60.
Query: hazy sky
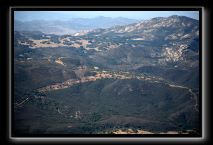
column 66, row 15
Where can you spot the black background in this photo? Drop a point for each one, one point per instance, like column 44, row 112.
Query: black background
column 4, row 47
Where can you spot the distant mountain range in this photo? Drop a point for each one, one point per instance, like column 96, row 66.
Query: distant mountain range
column 70, row 26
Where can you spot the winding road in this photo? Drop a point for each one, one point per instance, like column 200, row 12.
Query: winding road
column 104, row 74
column 190, row 91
